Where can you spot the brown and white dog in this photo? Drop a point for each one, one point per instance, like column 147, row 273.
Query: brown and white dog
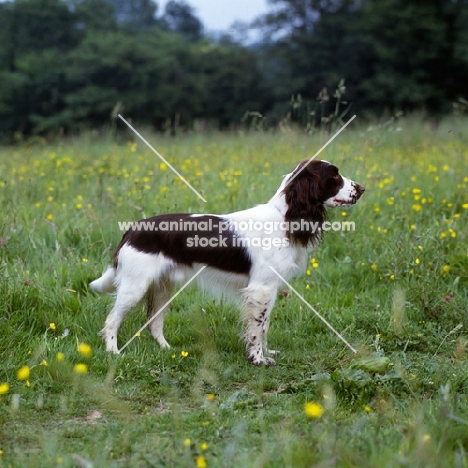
column 236, row 250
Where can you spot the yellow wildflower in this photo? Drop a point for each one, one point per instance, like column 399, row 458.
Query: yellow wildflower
column 23, row 373
column 84, row 349
column 4, row 388
column 201, row 462
column 313, row 410
column 80, row 368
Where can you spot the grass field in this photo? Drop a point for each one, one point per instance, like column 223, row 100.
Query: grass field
column 396, row 287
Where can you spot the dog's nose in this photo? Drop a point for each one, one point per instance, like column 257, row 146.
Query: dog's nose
column 359, row 189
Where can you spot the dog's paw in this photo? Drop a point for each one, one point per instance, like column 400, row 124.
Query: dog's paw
column 163, row 343
column 268, row 361
column 262, row 361
column 111, row 342
column 112, row 349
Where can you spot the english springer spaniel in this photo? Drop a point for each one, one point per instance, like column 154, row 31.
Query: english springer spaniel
column 236, row 251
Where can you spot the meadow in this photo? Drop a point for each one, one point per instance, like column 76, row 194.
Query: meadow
column 396, row 288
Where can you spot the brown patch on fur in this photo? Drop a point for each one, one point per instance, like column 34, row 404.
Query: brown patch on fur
column 305, row 196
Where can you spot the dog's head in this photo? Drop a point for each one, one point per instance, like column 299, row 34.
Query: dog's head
column 320, row 183
column 312, row 186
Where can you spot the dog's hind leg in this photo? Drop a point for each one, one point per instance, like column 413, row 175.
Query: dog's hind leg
column 158, row 297
column 129, row 294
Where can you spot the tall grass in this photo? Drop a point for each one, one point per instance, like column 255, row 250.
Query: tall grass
column 396, row 288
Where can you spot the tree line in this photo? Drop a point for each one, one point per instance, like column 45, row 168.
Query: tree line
column 67, row 65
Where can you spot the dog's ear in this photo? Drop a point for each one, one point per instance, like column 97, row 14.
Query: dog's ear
column 313, row 181
column 304, row 203
column 302, row 196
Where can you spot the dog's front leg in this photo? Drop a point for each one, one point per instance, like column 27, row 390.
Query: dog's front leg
column 258, row 301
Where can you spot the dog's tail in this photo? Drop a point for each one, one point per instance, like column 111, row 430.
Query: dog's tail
column 106, row 283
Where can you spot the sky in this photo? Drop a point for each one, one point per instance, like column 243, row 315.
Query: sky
column 219, row 15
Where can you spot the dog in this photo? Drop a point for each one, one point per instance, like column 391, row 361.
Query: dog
column 238, row 251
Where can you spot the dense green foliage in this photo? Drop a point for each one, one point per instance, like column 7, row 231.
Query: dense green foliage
column 396, row 288
column 67, row 64
column 394, row 54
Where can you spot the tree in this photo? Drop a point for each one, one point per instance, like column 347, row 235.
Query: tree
column 234, row 84
column 38, row 25
column 180, row 17
column 95, row 15
column 309, row 45
column 397, row 54
column 35, row 36
column 411, row 53
column 135, row 14
column 155, row 76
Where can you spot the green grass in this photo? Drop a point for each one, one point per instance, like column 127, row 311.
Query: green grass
column 396, row 287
